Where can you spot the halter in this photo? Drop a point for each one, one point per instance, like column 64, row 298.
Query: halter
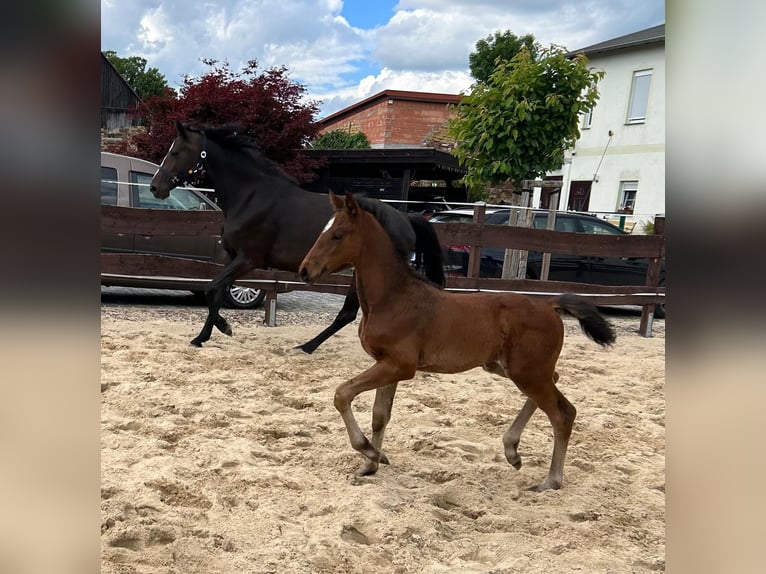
column 198, row 169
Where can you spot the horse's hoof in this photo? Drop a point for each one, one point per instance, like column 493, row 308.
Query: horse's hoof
column 304, row 349
column 196, row 343
column 543, row 487
column 514, row 460
column 367, row 469
column 383, row 459
column 227, row 330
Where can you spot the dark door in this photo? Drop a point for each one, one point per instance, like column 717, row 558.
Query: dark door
column 547, row 192
column 579, row 195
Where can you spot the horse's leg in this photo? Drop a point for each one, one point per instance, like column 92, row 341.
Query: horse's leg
column 381, row 374
column 345, row 316
column 381, row 414
column 216, row 295
column 512, row 436
column 543, row 392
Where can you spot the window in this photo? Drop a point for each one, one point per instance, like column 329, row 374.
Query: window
column 563, row 223
column 628, row 191
column 597, row 227
column 587, row 117
column 108, row 186
column 140, row 194
column 639, row 97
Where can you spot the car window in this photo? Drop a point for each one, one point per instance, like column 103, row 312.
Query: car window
column 563, row 223
column 140, row 196
column 599, row 227
column 452, row 218
column 186, row 199
column 108, row 186
column 497, row 218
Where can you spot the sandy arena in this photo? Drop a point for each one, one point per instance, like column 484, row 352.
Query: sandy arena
column 232, row 458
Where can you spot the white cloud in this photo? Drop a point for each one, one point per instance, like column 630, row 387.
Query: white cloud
column 154, row 30
column 424, row 46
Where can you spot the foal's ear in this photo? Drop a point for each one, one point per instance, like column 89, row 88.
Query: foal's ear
column 180, row 129
column 351, row 204
column 336, row 202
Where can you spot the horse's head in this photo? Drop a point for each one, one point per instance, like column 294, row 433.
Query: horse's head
column 339, row 244
column 184, row 160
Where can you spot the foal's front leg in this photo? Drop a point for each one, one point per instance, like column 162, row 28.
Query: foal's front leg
column 384, row 373
column 381, row 414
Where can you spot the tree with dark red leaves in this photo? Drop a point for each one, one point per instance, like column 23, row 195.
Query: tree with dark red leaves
column 267, row 104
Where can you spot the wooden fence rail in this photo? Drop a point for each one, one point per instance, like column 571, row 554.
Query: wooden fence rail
column 120, row 220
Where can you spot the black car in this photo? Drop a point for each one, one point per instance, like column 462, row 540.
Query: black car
column 570, row 268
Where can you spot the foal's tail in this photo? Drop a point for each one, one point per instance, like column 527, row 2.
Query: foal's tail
column 591, row 321
column 428, row 249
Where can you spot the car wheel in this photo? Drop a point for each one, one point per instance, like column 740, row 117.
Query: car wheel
column 240, row 297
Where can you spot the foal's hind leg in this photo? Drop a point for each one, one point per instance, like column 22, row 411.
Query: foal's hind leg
column 512, row 436
column 216, row 295
column 346, row 314
column 381, row 414
column 561, row 413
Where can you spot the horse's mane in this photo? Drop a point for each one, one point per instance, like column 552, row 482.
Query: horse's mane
column 235, row 138
column 394, row 222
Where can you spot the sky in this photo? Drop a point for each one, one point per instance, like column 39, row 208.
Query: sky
column 346, row 50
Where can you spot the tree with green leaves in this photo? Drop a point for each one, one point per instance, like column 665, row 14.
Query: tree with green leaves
column 503, row 46
column 518, row 124
column 341, row 139
column 145, row 83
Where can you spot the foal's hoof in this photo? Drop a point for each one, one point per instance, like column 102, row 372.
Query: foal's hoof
column 371, row 466
column 368, row 468
column 227, row 330
column 543, row 486
column 196, row 343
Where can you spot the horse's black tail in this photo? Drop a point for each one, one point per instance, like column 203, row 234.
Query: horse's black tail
column 591, row 321
column 428, row 249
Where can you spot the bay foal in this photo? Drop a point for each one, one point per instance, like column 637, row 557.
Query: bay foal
column 409, row 325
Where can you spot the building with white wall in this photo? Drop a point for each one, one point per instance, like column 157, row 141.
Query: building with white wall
column 618, row 163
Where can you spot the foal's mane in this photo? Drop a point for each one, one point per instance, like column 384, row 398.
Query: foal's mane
column 234, row 138
column 395, row 223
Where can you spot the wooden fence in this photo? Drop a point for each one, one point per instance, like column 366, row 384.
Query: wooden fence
column 120, row 220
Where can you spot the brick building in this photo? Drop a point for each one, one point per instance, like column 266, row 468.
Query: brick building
column 394, row 118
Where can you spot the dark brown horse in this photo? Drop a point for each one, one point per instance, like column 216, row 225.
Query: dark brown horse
column 269, row 221
column 409, row 325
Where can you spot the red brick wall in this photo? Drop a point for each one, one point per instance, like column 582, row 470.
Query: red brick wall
column 412, row 121
column 371, row 120
column 402, row 122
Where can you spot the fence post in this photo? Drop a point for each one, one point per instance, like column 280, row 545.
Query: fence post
column 550, row 224
column 474, row 255
column 270, row 305
column 652, row 280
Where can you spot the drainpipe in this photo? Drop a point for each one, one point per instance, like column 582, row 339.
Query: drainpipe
column 595, row 175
